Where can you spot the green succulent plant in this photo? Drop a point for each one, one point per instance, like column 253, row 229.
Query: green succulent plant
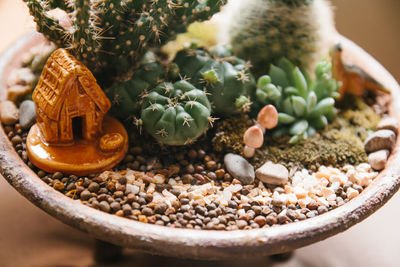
column 304, row 105
column 176, row 114
column 264, row 31
column 225, row 78
column 126, row 96
column 109, row 36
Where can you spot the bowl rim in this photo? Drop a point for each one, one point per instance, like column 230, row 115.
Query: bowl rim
column 201, row 244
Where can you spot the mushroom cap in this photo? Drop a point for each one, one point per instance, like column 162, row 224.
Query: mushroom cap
column 268, row 117
column 253, row 137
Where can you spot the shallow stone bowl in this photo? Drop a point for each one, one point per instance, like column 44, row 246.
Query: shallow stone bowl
column 201, row 244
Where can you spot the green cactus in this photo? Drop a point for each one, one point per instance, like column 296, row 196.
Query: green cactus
column 126, row 96
column 176, row 114
column 110, row 36
column 304, row 105
column 264, row 31
column 225, row 78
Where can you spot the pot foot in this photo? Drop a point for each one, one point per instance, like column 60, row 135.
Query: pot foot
column 105, row 252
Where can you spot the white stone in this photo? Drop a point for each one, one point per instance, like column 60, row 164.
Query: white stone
column 134, row 189
column 351, row 193
column 378, row 159
column 271, row 173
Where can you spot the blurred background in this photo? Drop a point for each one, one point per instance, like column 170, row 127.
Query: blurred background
column 29, row 237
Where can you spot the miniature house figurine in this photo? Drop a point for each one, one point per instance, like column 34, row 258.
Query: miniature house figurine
column 68, row 96
column 73, row 135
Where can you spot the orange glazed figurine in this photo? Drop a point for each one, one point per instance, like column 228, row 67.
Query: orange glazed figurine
column 72, row 134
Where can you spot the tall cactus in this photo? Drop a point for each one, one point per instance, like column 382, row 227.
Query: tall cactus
column 264, row 31
column 113, row 34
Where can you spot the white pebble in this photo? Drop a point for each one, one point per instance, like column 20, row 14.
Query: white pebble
column 351, row 193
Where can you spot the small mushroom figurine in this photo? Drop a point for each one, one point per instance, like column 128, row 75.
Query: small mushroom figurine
column 253, row 138
column 73, row 135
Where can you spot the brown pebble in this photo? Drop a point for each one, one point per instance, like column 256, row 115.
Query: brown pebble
column 189, row 169
column 58, row 186
column 160, row 208
column 115, row 206
column 16, row 140
column 312, row 205
column 104, row 206
column 93, row 187
column 57, row 175
column 271, row 219
column 111, row 186
column 192, row 154
column 260, row 220
column 122, row 180
column 85, row 195
column 241, row 224
column 147, row 211
column 211, row 165
column 220, row 173
column 120, row 213
column 201, row 154
column 118, row 194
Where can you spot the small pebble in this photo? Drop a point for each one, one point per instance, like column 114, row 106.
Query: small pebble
column 382, row 139
column 378, row 159
column 9, row 113
column 388, row 123
column 239, row 168
column 271, row 173
column 27, row 114
column 104, row 206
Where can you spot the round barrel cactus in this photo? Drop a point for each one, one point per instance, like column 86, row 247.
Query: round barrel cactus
column 176, row 114
column 304, row 105
column 226, row 79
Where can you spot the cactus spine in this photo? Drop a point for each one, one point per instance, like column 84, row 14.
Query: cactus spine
column 114, row 34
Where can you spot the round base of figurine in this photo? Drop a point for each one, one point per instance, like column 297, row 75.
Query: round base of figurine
column 83, row 157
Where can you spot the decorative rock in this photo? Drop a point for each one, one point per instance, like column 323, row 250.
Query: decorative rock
column 268, row 117
column 271, row 173
column 389, row 124
column 253, row 137
column 17, row 92
column 27, row 114
column 382, row 139
column 239, row 168
column 23, row 76
column 378, row 159
column 8, row 112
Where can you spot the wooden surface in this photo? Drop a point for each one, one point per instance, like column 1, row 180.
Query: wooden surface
column 29, row 237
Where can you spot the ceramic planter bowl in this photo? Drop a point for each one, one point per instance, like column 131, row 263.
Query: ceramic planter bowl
column 199, row 244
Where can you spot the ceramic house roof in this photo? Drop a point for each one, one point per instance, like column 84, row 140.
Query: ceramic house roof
column 61, row 70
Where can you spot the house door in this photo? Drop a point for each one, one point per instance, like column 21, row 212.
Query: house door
column 77, row 127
